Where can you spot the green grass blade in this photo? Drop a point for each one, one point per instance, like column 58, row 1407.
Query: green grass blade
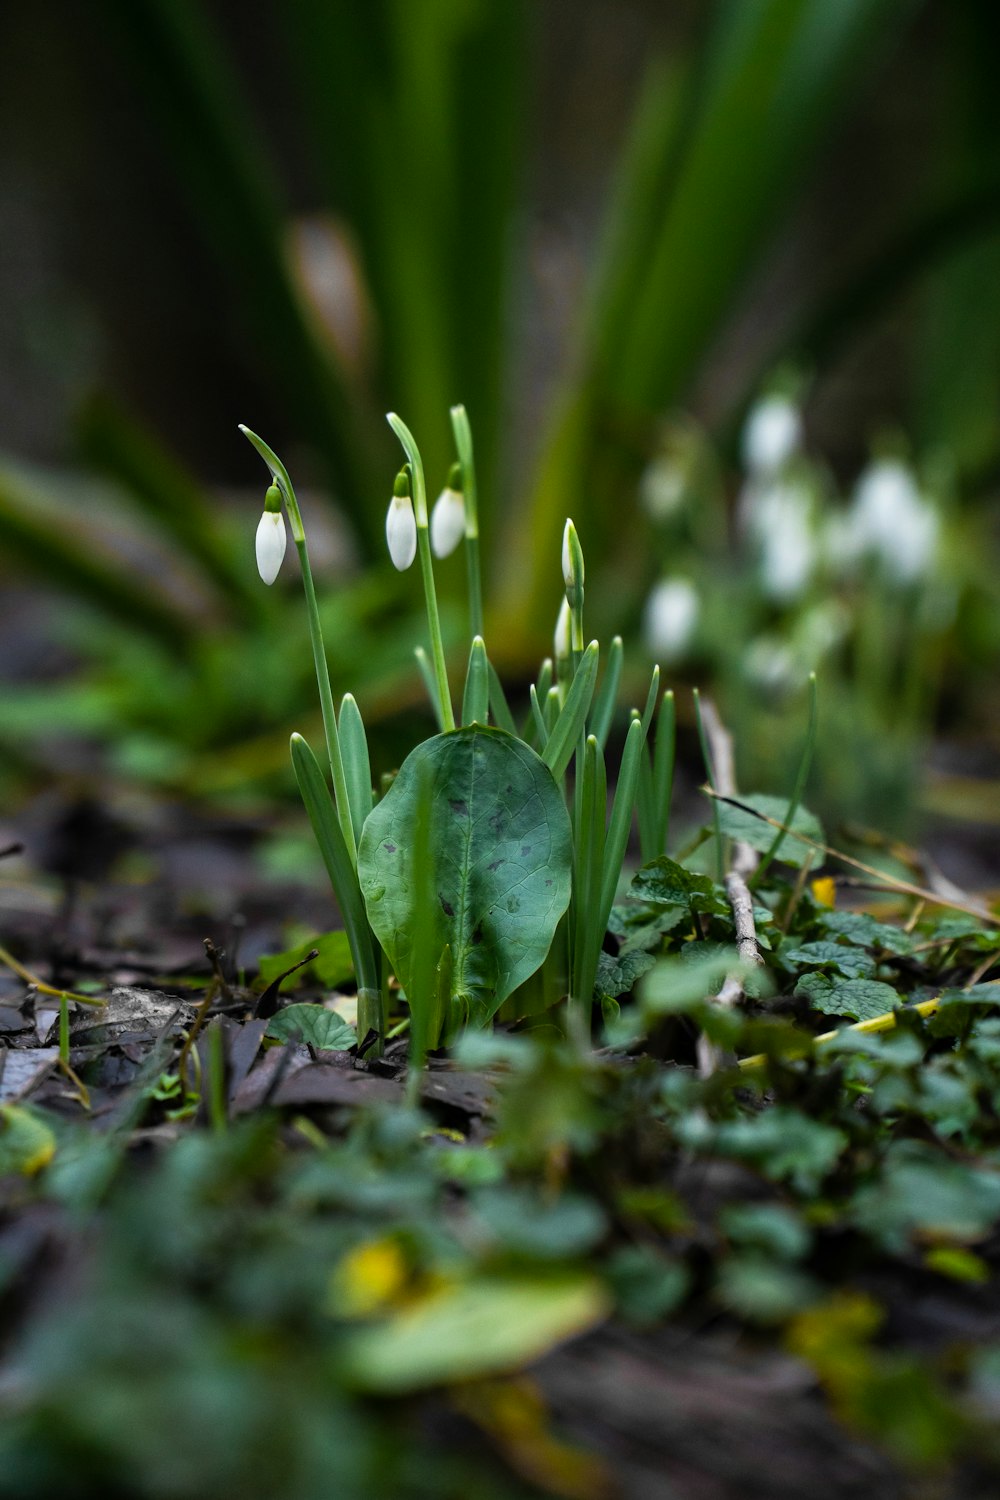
column 633, row 757
column 664, row 755
column 650, row 706
column 538, row 718
column 589, row 841
column 607, row 694
column 569, row 725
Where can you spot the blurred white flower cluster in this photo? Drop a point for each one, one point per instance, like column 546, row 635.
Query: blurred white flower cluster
column 790, row 577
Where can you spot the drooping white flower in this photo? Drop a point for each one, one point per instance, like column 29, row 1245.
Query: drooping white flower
column 772, row 434
column 401, row 532
column 271, row 543
column 447, row 522
column 670, row 618
column 778, row 517
column 890, row 520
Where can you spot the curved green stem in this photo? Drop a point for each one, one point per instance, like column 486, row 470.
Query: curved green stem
column 341, row 797
column 408, row 441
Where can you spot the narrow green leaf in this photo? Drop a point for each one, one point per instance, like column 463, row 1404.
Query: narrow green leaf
column 499, row 707
column 343, row 877
column 589, row 862
column 569, row 726
column 357, row 764
column 621, row 820
column 476, row 698
column 607, row 693
column 538, row 718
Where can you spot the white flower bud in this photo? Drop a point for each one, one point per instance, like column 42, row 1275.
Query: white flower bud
column 447, row 522
column 401, row 532
column 271, row 543
column 561, row 639
column 572, row 559
column 772, row 434
column 670, row 617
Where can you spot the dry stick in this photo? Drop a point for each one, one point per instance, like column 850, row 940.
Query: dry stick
column 743, row 863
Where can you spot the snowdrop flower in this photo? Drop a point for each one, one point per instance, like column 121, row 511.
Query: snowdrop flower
column 400, row 524
column 448, row 515
column 772, row 434
column 890, row 520
column 670, row 617
column 271, row 536
column 778, row 517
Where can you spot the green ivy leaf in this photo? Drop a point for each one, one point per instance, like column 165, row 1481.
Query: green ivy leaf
column 664, row 882
column 858, row 927
column 616, row 976
column 313, row 1024
column 851, row 962
column 501, row 846
column 862, row 999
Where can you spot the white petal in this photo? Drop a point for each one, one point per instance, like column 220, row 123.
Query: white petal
column 401, row 532
column 772, row 434
column 271, row 543
column 670, row 618
column 447, row 522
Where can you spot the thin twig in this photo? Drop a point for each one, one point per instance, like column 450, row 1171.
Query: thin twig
column 904, row 887
column 743, row 862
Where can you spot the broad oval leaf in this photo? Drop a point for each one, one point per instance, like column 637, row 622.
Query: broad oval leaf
column 501, row 849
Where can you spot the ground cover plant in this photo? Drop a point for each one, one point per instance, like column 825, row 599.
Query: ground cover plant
column 589, row 1157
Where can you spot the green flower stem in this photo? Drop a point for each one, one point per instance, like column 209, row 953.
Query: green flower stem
column 463, row 443
column 341, row 797
column 399, row 427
